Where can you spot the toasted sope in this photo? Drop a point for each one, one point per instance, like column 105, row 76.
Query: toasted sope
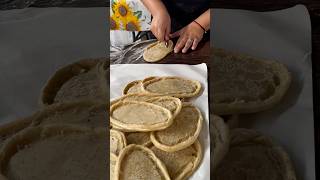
column 172, row 86
column 134, row 97
column 254, row 156
column 183, row 132
column 139, row 138
column 140, row 116
column 135, row 87
column 84, row 113
column 113, row 161
column 55, row 152
column 117, row 141
column 181, row 164
column 84, row 79
column 244, row 84
column 157, row 51
column 139, row 162
column 173, row 104
column 220, row 140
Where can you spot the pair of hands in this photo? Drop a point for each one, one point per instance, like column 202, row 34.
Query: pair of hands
column 189, row 36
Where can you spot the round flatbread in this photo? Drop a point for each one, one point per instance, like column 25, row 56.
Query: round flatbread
column 55, row 152
column 139, row 138
column 172, row 86
column 89, row 114
column 243, row 84
column 220, row 140
column 140, row 116
column 82, row 80
column 139, row 162
column 183, row 132
column 117, row 141
column 113, row 161
column 181, row 164
column 171, row 103
column 157, row 51
column 253, row 156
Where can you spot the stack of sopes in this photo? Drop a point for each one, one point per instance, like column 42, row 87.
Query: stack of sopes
column 154, row 134
column 241, row 85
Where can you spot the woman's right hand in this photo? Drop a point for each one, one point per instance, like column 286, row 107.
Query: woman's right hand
column 161, row 25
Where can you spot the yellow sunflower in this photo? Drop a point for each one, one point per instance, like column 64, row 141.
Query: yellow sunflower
column 132, row 23
column 121, row 9
column 124, row 16
column 114, row 23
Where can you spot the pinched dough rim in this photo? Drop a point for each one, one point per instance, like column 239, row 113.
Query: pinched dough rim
column 125, row 97
column 130, row 85
column 149, row 78
column 183, row 144
column 37, row 117
column 178, row 95
column 152, row 45
column 133, row 83
column 113, row 158
column 64, row 74
column 140, row 127
column 222, row 130
column 121, row 138
column 120, row 128
column 161, row 167
column 245, row 136
column 195, row 165
column 33, row 134
column 147, row 144
column 252, row 107
column 9, row 129
column 192, row 166
column 177, row 101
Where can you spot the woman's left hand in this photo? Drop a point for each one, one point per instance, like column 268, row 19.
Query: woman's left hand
column 190, row 36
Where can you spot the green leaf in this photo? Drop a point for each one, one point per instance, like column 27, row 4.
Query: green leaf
column 138, row 14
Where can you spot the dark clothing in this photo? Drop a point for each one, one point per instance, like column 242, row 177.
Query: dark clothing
column 182, row 12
